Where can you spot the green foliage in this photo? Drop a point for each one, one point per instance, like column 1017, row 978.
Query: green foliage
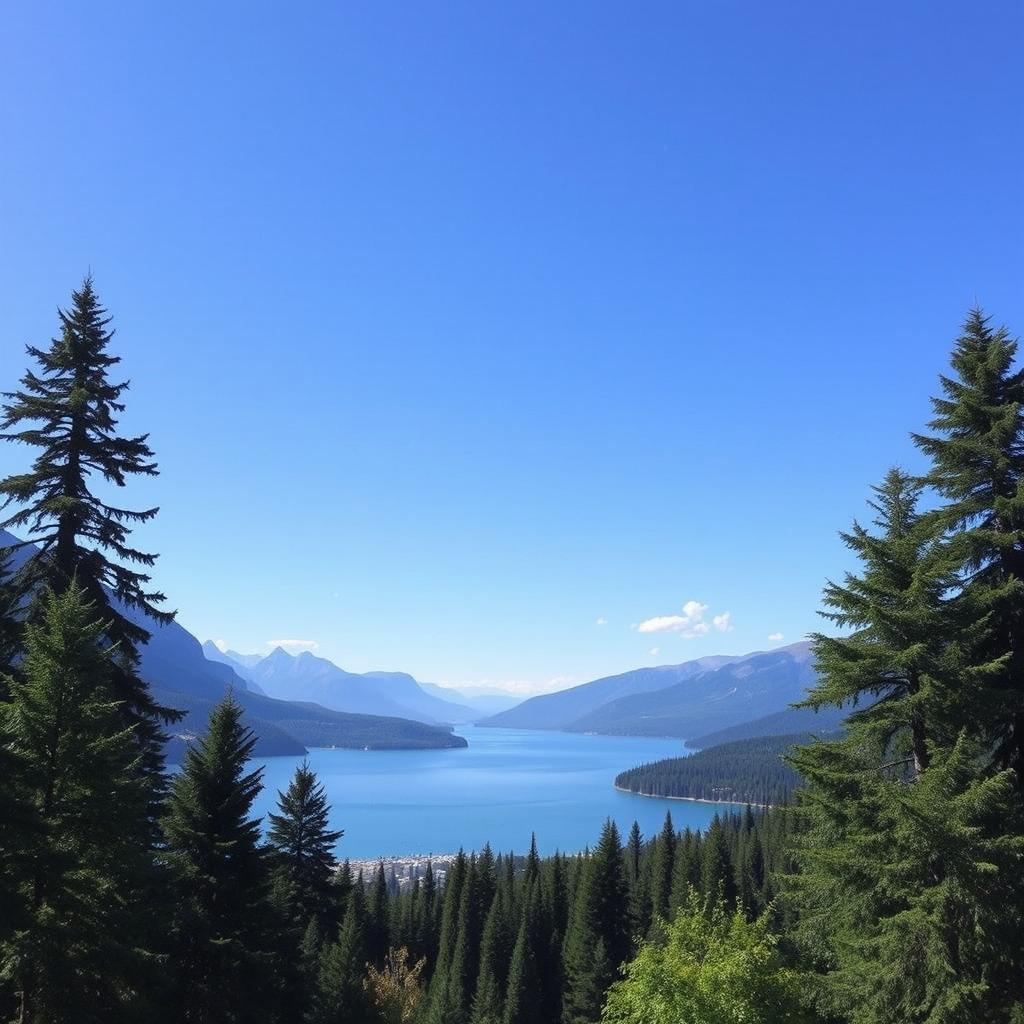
column 903, row 662
column 663, row 868
column 599, row 939
column 524, row 998
column 67, row 411
column 908, row 885
column 304, row 845
column 73, row 955
column 220, row 877
column 341, row 997
column 977, row 467
column 496, row 949
column 910, row 893
column 708, row 967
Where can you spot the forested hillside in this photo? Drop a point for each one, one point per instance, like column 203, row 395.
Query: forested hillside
column 745, row 771
column 782, row 723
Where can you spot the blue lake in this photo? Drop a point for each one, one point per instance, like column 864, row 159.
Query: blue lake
column 505, row 785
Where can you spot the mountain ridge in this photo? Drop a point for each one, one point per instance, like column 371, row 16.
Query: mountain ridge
column 673, row 700
column 175, row 667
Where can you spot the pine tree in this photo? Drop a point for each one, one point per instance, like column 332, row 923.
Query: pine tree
column 80, row 538
column 910, row 840
column 751, row 875
column 464, row 965
column 304, row 845
column 11, row 629
column 717, row 879
column 899, row 663
column 439, row 990
column 556, row 899
column 524, row 995
column 909, row 891
column 599, row 936
column 977, row 454
column 378, row 918
column 76, row 955
column 634, row 849
column 662, row 869
column 495, row 953
column 686, row 874
column 220, row 876
column 340, row 996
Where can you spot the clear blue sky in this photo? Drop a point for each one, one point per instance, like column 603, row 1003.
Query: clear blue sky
column 458, row 327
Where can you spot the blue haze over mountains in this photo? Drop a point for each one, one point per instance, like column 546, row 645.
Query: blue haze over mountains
column 293, row 702
column 684, row 701
column 182, row 677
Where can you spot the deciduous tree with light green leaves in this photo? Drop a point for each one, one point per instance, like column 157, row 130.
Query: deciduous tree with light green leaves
column 708, row 966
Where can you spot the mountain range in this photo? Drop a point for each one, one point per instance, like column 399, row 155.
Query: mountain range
column 683, row 701
column 306, row 677
column 181, row 677
column 294, row 701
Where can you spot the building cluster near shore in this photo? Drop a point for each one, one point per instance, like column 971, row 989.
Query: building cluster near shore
column 403, row 872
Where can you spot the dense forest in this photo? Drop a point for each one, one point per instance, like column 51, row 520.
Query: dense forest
column 750, row 771
column 892, row 890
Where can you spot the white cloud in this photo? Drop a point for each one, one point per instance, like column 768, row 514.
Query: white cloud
column 723, row 622
column 294, row 645
column 221, row 645
column 775, row 637
column 690, row 624
column 601, row 621
column 655, row 651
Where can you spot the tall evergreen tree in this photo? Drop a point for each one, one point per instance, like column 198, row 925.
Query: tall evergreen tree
column 599, row 938
column 220, row 876
column 900, row 662
column 378, row 917
column 662, row 868
column 304, row 845
column 717, row 878
column 977, row 455
column 340, row 996
column 524, row 996
column 439, row 991
column 495, row 953
column 908, row 892
column 67, row 410
column 910, row 843
column 75, row 956
column 464, row 965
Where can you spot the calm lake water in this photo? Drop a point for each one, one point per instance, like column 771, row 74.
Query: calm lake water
column 505, row 785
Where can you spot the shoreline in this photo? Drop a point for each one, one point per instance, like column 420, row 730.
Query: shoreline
column 690, row 799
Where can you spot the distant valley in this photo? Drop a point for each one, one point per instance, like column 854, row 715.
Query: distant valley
column 297, row 701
